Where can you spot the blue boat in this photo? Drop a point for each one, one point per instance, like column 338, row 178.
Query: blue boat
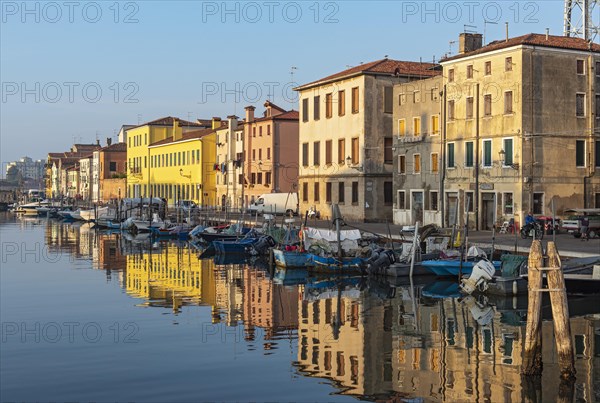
column 441, row 290
column 452, row 267
column 290, row 259
column 234, row 246
column 335, row 265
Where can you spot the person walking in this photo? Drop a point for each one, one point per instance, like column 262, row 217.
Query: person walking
column 585, row 227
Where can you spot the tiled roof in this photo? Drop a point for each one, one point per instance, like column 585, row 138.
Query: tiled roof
column 552, row 41
column 196, row 134
column 116, row 147
column 383, row 67
column 289, row 115
column 168, row 121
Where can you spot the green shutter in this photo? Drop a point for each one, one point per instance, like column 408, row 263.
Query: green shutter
column 508, row 152
column 580, row 153
column 487, row 153
column 450, row 155
column 469, row 156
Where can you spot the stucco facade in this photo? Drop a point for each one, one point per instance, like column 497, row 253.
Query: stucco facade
column 515, row 138
column 346, row 124
column 230, row 156
column 417, row 151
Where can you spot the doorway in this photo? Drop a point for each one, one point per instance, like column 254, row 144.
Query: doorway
column 417, row 207
column 488, row 210
column 452, row 209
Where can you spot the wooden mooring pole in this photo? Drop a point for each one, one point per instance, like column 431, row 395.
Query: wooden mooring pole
column 532, row 361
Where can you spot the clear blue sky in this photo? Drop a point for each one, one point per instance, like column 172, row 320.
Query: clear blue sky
column 186, row 58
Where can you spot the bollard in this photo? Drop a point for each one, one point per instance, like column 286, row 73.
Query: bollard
column 532, row 359
column 560, row 314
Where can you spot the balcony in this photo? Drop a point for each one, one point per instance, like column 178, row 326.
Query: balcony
column 411, row 139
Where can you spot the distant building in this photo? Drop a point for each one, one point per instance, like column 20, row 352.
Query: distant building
column 29, row 168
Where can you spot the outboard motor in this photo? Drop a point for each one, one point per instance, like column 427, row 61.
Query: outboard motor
column 483, row 314
column 261, row 247
column 482, row 272
column 380, row 260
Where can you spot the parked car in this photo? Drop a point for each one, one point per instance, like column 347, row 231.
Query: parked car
column 572, row 224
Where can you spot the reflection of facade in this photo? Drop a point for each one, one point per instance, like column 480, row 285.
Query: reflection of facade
column 107, row 256
column 171, row 276
column 229, row 293
column 344, row 339
column 269, row 306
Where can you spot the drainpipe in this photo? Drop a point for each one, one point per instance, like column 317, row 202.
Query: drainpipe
column 476, row 197
column 443, row 154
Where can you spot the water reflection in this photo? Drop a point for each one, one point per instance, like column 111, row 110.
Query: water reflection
column 370, row 338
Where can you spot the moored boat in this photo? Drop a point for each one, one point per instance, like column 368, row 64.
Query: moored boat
column 452, row 267
column 290, row 258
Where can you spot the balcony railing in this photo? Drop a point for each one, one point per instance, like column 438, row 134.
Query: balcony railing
column 411, row 139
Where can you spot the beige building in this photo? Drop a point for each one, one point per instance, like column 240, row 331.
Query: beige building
column 520, row 128
column 417, row 151
column 230, row 157
column 346, row 138
column 271, row 144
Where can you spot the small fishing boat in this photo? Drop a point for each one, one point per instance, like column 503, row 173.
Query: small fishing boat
column 92, row 214
column 290, row 259
column 330, row 264
column 452, row 267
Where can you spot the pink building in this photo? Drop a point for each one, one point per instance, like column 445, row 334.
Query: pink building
column 271, row 152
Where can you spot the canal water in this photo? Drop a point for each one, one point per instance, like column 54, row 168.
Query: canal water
column 101, row 316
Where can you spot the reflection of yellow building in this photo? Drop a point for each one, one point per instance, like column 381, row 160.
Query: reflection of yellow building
column 229, row 293
column 171, row 276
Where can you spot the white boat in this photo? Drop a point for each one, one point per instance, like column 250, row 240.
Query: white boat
column 31, row 208
column 144, row 225
column 92, row 214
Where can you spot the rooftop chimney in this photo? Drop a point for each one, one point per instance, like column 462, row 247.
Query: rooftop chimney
column 249, row 114
column 547, row 33
column 108, row 141
column 177, row 130
column 468, row 42
column 216, row 123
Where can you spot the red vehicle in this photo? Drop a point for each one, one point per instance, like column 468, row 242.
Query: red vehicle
column 546, row 223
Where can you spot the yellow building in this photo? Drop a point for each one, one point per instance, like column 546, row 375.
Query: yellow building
column 171, row 158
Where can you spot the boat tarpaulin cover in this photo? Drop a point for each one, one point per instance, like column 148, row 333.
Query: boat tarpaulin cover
column 348, row 238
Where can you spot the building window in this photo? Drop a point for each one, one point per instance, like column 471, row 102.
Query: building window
column 508, row 102
column 254, row 132
column 268, row 178
column 316, row 107
column 435, row 165
column 487, row 105
column 451, row 109
column 433, row 200
column 341, row 103
column 597, row 154
column 316, row 153
column 328, row 152
column 508, row 152
column 597, row 106
column 417, row 163
column 341, row 151
column 260, row 154
column 416, row 97
column 355, row 160
column 328, row 105
column 435, row 125
column 355, row 100
column 469, row 71
column 450, row 154
column 354, row 192
column 451, row 75
column 580, row 153
column 402, row 164
column 305, row 154
column 580, row 67
column 401, row 200
column 580, row 105
column 305, row 110
column 538, row 203
column 508, row 64
column 268, row 130
column 401, row 128
column 253, row 178
column 341, row 192
column 508, row 203
column 260, row 131
column 416, row 127
column 316, row 191
column 597, row 69
column 469, row 108
column 113, row 166
column 487, row 153
column 388, row 96
column 388, row 154
column 469, row 201
column 388, row 193
column 305, row 192
column 259, row 178
column 328, row 192
column 401, row 99
column 488, row 68
column 469, row 154
column 253, row 155
column 268, row 153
